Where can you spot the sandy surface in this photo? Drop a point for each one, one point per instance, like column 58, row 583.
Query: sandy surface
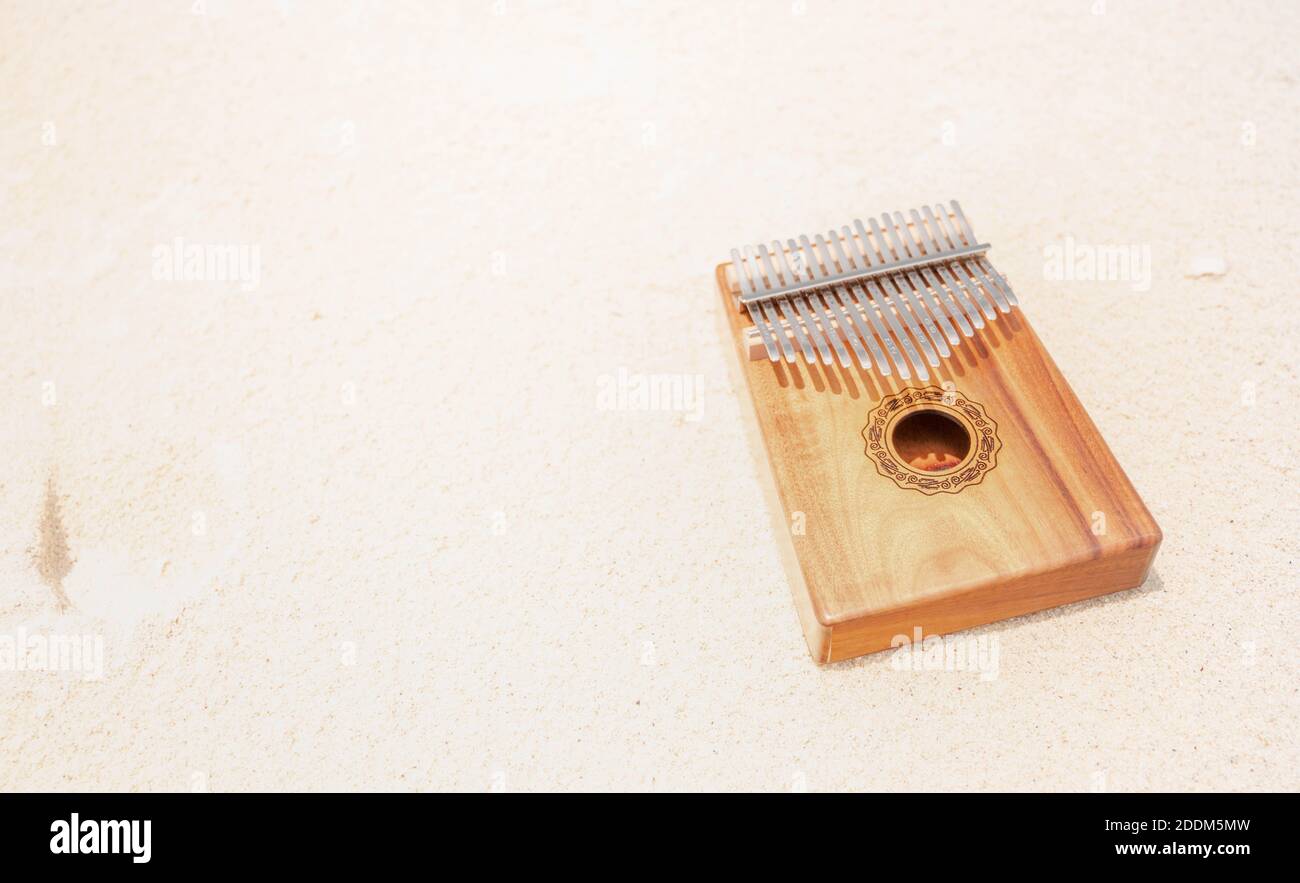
column 366, row 520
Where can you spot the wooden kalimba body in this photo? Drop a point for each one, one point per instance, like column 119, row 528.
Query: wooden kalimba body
column 935, row 469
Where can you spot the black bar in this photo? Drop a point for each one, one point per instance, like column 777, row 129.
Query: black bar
column 248, row 831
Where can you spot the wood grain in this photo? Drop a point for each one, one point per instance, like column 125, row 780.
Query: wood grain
column 1055, row 520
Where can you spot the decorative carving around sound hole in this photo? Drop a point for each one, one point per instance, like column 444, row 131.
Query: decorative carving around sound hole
column 932, row 440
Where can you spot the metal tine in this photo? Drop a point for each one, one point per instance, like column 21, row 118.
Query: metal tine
column 999, row 280
column 990, row 286
column 881, row 307
column 973, row 286
column 996, row 290
column 868, row 306
column 982, row 264
column 841, row 256
column 771, row 313
column 816, row 305
column 769, row 342
column 918, row 305
column 953, row 282
column 787, row 310
column 848, row 328
column 1001, row 292
column 943, row 295
column 770, row 278
column 760, row 321
column 958, row 236
column 906, row 314
column 832, row 301
column 782, row 339
column 861, row 329
column 742, row 274
column 774, row 318
column 843, row 330
column 967, row 294
column 864, row 243
column 923, row 283
column 941, row 292
column 788, row 313
column 853, row 305
column 801, row 303
column 899, row 306
column 963, row 229
column 820, row 311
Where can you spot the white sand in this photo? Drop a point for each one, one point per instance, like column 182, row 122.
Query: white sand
column 365, row 525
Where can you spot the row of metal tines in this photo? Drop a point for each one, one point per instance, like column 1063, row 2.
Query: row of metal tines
column 873, row 289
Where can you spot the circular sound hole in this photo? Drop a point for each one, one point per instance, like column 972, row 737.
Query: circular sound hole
column 930, row 441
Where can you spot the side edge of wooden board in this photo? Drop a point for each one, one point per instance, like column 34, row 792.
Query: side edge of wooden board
column 883, row 559
column 975, row 607
column 816, row 634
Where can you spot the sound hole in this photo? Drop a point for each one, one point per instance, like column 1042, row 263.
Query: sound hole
column 930, row 441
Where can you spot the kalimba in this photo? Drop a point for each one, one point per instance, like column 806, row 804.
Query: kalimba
column 935, row 470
